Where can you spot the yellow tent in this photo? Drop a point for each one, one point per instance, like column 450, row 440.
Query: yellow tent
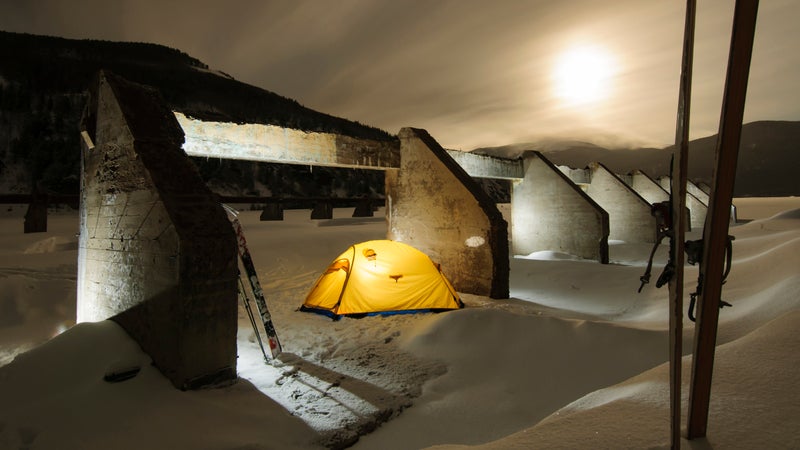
column 381, row 277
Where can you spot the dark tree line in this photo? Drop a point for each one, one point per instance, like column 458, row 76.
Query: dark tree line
column 43, row 88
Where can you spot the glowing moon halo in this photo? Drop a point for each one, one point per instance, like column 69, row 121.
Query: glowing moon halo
column 583, row 75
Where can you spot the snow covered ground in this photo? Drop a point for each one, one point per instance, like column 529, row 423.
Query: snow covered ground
column 575, row 359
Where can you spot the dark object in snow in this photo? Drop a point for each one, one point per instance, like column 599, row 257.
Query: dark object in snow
column 117, row 373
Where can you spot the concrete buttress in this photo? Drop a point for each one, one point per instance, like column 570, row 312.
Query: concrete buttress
column 435, row 206
column 550, row 212
column 629, row 215
column 156, row 252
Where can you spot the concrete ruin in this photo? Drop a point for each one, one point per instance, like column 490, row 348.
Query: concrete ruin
column 465, row 233
column 273, row 144
column 156, row 252
column 435, row 206
column 140, row 229
column 550, row 212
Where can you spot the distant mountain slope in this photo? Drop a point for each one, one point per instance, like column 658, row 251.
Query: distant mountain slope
column 52, row 64
column 769, row 156
column 43, row 84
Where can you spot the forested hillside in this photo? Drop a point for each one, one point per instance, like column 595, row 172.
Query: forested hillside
column 43, row 84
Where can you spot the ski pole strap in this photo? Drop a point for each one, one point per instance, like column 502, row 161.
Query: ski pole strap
column 692, row 300
column 728, row 257
column 645, row 278
column 699, row 290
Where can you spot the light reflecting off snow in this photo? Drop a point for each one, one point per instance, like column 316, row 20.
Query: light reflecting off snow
column 570, row 359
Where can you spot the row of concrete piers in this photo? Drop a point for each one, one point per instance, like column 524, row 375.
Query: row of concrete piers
column 157, row 254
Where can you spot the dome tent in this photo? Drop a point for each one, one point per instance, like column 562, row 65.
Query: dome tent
column 381, row 277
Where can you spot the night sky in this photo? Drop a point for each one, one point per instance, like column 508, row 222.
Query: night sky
column 472, row 72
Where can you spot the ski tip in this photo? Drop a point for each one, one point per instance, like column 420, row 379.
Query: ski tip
column 230, row 210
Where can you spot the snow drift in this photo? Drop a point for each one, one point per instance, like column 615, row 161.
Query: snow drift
column 576, row 359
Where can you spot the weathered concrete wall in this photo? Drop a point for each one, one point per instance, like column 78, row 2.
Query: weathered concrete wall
column 550, row 212
column 629, row 214
column 156, row 252
column 435, row 206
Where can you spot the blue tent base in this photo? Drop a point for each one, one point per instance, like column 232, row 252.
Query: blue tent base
column 334, row 316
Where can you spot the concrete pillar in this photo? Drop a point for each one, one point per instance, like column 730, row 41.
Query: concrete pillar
column 322, row 210
column 550, row 212
column 629, row 214
column 364, row 208
column 156, row 251
column 36, row 215
column 433, row 205
column 272, row 211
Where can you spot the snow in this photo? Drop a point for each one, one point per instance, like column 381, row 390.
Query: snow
column 575, row 359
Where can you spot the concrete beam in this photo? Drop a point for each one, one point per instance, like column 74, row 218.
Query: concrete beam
column 435, row 206
column 550, row 212
column 482, row 166
column 269, row 143
column 629, row 214
column 156, row 251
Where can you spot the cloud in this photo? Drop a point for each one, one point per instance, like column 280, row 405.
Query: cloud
column 472, row 72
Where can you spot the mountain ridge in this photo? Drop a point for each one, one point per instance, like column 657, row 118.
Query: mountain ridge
column 769, row 151
column 44, row 80
column 43, row 86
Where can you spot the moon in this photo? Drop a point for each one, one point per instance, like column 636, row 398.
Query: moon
column 582, row 75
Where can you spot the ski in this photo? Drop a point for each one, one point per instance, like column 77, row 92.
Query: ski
column 255, row 286
column 715, row 233
column 677, row 210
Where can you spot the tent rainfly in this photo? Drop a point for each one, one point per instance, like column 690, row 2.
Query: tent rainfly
column 381, row 277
